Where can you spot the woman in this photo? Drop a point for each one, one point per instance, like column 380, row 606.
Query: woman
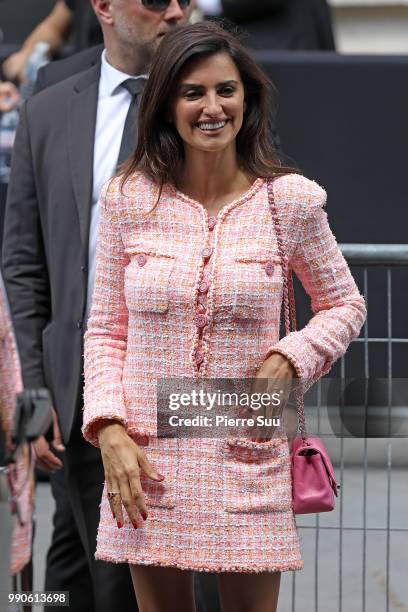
column 189, row 285
column 21, row 472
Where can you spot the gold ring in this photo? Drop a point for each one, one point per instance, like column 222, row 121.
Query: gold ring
column 111, row 494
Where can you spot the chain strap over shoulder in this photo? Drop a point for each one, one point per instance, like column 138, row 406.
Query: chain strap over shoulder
column 289, row 304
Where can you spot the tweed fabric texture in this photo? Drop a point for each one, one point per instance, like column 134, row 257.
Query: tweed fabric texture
column 225, row 504
column 22, row 471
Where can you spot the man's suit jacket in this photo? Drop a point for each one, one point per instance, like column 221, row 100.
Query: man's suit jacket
column 283, row 24
column 45, row 250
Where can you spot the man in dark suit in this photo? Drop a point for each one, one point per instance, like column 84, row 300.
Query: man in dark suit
column 70, row 139
column 278, row 24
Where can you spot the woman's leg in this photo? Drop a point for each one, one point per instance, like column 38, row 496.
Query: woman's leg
column 163, row 589
column 241, row 592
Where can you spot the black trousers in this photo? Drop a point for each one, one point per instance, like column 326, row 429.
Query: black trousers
column 94, row 586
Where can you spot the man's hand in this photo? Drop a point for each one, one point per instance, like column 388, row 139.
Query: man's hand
column 9, row 97
column 44, row 457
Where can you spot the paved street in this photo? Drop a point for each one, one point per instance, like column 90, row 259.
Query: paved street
column 328, row 546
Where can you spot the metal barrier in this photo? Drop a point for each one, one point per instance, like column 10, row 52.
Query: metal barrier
column 367, row 256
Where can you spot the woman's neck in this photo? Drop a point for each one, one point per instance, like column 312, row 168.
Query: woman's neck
column 212, row 177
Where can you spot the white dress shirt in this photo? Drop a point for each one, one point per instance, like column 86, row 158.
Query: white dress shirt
column 113, row 105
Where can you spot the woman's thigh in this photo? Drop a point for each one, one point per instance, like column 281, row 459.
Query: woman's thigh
column 163, row 589
column 252, row 592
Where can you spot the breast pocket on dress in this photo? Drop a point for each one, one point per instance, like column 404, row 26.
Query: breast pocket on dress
column 163, row 455
column 256, row 475
column 258, row 283
column 147, row 279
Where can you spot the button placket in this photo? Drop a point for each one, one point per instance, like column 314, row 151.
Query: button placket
column 201, row 317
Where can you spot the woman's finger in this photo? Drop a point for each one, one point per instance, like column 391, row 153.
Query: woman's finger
column 116, row 502
column 129, row 503
column 109, row 488
column 138, row 496
column 147, row 467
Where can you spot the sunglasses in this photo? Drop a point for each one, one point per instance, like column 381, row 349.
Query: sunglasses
column 162, row 5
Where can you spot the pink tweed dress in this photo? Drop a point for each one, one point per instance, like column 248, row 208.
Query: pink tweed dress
column 181, row 294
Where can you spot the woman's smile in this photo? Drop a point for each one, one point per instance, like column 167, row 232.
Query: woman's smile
column 212, row 128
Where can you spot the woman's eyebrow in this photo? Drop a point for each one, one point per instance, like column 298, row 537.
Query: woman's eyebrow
column 198, row 86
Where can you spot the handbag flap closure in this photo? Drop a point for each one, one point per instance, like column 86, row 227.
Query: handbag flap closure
column 315, row 444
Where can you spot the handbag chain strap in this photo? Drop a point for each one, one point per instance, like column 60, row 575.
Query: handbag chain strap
column 289, row 305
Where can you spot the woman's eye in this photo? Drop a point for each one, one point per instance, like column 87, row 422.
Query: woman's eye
column 227, row 91
column 192, row 94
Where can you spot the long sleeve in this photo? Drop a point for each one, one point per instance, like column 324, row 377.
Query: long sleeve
column 10, row 375
column 339, row 309
column 24, row 260
column 106, row 335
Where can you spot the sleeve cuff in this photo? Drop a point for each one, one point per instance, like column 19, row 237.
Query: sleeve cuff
column 90, row 428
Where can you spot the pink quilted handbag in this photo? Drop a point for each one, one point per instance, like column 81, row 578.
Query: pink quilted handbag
column 314, row 484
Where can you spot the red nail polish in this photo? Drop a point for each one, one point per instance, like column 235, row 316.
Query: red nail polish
column 144, row 515
column 120, row 525
column 135, row 525
column 160, row 476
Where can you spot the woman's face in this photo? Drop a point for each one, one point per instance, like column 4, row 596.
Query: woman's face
column 209, row 103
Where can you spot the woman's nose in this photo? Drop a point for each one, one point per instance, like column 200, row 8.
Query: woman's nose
column 212, row 105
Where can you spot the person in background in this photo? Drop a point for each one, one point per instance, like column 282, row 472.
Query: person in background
column 67, row 16
column 70, row 139
column 21, row 472
column 277, row 24
column 9, row 97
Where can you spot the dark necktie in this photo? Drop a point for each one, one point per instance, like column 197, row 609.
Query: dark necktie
column 129, row 137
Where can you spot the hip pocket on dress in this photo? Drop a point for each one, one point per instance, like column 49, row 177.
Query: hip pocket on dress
column 163, row 455
column 256, row 475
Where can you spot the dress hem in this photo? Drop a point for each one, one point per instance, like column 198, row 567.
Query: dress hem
column 217, row 568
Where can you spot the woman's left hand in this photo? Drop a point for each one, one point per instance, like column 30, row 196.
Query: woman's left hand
column 274, row 377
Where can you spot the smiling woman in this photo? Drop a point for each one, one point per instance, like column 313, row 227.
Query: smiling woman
column 189, row 282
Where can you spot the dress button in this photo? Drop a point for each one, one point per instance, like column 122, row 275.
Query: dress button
column 79, row 324
column 206, row 252
column 202, row 299
column 199, row 357
column 200, row 320
column 141, row 259
column 212, row 222
column 204, row 286
column 269, row 268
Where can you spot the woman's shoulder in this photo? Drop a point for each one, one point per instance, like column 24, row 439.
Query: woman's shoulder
column 136, row 191
column 297, row 190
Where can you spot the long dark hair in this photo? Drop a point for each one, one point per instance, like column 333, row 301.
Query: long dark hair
column 160, row 152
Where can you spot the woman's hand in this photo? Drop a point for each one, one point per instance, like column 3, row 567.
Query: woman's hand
column 274, row 377
column 122, row 460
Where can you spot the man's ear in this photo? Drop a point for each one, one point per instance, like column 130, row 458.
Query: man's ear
column 103, row 10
